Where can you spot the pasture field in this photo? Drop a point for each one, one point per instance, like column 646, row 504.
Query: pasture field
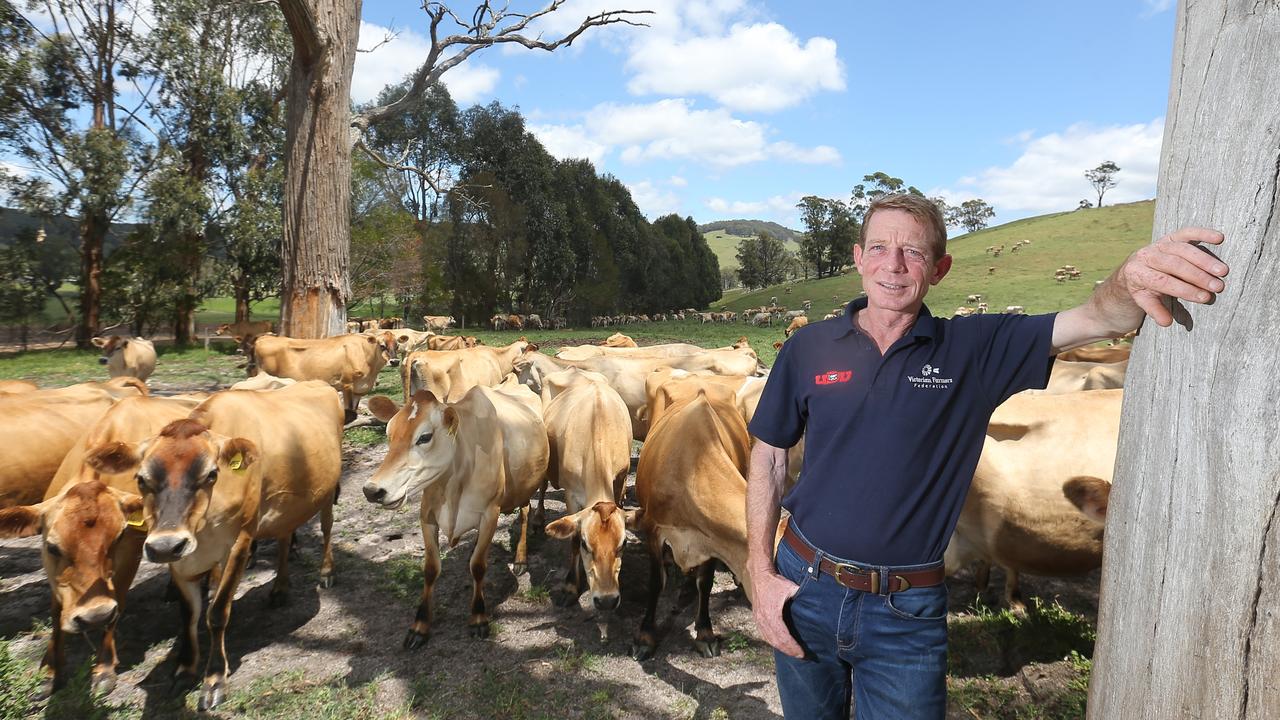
column 336, row 653
column 725, row 246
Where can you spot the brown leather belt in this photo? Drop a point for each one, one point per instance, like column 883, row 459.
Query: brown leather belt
column 867, row 580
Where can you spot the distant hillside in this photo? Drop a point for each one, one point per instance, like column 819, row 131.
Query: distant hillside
column 725, row 246
column 59, row 229
column 1095, row 241
column 749, row 228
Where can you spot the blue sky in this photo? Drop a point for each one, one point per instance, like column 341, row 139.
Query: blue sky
column 734, row 108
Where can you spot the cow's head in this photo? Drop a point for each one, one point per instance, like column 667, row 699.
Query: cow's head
column 526, row 369
column 109, row 347
column 1090, row 494
column 176, row 472
column 80, row 529
column 422, row 442
column 600, row 531
column 386, row 344
column 223, row 329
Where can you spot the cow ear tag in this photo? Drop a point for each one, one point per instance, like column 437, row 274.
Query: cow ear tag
column 237, row 461
column 135, row 519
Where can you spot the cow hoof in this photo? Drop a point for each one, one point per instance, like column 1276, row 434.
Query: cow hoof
column 326, row 581
column 641, row 652
column 348, row 417
column 211, row 697
column 708, row 648
column 519, row 568
column 182, row 683
column 103, row 682
column 480, row 631
column 414, row 640
column 564, row 597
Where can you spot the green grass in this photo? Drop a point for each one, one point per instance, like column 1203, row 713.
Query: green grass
column 218, row 366
column 18, row 682
column 1095, row 241
column 365, row 436
column 988, row 641
column 215, row 311
column 725, row 246
column 296, row 695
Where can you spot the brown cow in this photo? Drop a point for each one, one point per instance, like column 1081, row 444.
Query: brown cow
column 589, row 431
column 247, row 464
column 618, row 340
column 41, row 427
column 483, row 455
column 348, row 363
column 1111, row 354
column 438, row 323
column 90, row 553
column 796, row 323
column 127, row 357
column 692, row 487
column 246, row 327
column 449, row 374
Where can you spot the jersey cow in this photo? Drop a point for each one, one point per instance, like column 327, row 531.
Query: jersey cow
column 472, row 459
column 348, row 363
column 245, row 465
column 450, row 374
column 1015, row 514
column 692, row 487
column 127, row 357
column 589, row 434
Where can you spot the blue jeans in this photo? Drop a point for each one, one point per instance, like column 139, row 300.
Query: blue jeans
column 887, row 652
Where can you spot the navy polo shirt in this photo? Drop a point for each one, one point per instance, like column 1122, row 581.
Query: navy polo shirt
column 892, row 441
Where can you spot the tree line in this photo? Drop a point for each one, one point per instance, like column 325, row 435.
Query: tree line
column 185, row 121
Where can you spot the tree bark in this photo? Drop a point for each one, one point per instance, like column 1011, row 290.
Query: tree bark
column 93, row 233
column 317, row 235
column 1189, row 623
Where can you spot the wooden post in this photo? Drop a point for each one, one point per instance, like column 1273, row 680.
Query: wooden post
column 1190, row 612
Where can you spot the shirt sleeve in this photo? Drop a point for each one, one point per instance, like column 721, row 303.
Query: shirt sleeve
column 1014, row 354
column 781, row 414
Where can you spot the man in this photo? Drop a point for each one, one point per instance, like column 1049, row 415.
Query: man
column 895, row 403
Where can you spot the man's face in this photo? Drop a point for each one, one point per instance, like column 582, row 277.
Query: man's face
column 897, row 264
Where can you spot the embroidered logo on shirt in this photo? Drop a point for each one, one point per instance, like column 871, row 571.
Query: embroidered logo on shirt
column 831, row 377
column 929, row 379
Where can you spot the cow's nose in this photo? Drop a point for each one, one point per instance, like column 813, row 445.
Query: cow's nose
column 165, row 548
column 606, row 602
column 373, row 493
column 395, row 362
column 95, row 615
column 102, row 361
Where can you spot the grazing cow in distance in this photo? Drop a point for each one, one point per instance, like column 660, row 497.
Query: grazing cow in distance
column 796, row 323
column 472, row 460
column 246, row 327
column 348, row 363
column 245, row 465
column 438, row 323
column 127, row 357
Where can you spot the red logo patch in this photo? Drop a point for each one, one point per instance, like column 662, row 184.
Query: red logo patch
column 831, row 377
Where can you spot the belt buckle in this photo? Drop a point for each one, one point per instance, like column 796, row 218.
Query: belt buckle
column 842, row 568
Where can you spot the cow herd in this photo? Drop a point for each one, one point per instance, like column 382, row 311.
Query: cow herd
column 114, row 474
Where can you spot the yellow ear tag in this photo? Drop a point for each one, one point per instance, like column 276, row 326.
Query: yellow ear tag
column 237, row 461
column 453, row 430
column 134, row 519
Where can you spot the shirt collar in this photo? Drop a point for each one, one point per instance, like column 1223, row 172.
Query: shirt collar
column 925, row 326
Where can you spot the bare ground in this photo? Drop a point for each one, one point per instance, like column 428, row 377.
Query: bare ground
column 541, row 661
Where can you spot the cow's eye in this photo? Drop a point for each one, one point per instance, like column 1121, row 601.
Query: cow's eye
column 53, row 550
column 143, row 482
column 424, row 438
column 212, row 476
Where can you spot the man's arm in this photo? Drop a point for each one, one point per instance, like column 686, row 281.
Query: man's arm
column 770, row 591
column 1171, row 267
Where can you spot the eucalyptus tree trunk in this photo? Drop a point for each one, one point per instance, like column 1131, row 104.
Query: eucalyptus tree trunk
column 317, row 234
column 1190, row 613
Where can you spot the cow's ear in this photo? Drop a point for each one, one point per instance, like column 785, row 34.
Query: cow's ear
column 531, row 347
column 114, row 457
column 19, row 522
column 371, row 339
column 131, row 506
column 98, row 342
column 402, row 338
column 564, row 528
column 124, row 343
column 382, row 407
column 451, row 420
column 1090, row 494
column 238, row 453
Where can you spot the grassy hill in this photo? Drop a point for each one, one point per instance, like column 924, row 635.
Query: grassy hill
column 750, row 228
column 1095, row 241
column 725, row 246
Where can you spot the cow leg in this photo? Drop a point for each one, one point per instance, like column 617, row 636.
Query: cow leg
column 421, row 627
column 125, row 558
column 52, row 663
column 571, row 588
column 540, row 516
column 981, row 575
column 326, row 531
column 279, row 595
column 645, row 643
column 705, row 639
column 350, row 402
column 1013, row 592
column 521, row 561
column 478, row 624
column 215, row 674
column 187, row 650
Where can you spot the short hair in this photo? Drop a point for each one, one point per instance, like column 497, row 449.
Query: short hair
column 917, row 206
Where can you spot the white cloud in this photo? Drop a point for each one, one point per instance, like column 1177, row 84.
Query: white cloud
column 1155, row 7
column 1049, row 175
column 389, row 63
column 781, row 208
column 760, row 68
column 678, row 181
column 653, row 200
column 818, row 155
column 669, row 18
column 568, row 141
